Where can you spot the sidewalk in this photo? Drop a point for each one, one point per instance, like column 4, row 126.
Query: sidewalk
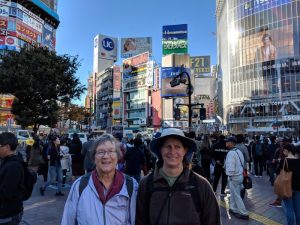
column 257, row 202
column 48, row 209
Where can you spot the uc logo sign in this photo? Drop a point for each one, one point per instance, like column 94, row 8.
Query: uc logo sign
column 108, row 44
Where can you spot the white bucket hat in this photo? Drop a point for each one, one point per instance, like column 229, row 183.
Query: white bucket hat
column 156, row 143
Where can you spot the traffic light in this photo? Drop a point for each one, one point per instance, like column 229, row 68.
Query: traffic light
column 177, row 113
column 202, row 113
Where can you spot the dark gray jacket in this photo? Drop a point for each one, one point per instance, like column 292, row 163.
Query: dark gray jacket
column 11, row 186
column 88, row 164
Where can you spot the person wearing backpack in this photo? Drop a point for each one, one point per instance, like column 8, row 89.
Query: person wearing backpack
column 11, row 181
column 173, row 194
column 258, row 157
column 104, row 196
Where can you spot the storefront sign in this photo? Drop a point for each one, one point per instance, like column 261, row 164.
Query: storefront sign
column 200, row 64
column 267, row 103
column 291, row 118
column 22, row 29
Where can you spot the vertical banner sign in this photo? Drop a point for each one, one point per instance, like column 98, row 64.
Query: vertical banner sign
column 48, row 36
column 200, row 65
column 174, row 39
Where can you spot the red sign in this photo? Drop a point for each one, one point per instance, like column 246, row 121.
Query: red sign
column 117, row 78
column 25, row 30
column 10, row 40
column 137, row 60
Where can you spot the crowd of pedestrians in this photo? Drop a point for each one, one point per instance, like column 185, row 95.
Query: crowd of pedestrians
column 143, row 181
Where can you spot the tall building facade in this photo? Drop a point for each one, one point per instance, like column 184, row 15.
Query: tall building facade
column 105, row 55
column 25, row 23
column 137, row 79
column 259, row 64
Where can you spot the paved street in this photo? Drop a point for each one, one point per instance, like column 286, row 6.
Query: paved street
column 48, row 209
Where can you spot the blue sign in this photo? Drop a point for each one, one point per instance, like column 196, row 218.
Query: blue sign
column 48, row 36
column 167, row 75
column 175, row 32
column 108, row 44
column 255, row 6
column 8, row 47
column 168, row 72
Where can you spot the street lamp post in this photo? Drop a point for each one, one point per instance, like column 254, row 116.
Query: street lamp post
column 179, row 79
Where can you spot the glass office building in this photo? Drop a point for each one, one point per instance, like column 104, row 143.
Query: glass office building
column 258, row 56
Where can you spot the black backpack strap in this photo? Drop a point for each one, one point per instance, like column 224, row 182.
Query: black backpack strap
column 83, row 182
column 194, row 191
column 129, row 185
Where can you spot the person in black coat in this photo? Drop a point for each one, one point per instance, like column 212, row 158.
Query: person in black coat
column 77, row 158
column 135, row 159
column 219, row 152
column 11, row 180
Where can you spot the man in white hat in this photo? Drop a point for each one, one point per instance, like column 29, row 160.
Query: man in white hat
column 173, row 194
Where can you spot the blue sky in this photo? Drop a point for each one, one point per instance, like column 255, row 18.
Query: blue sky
column 82, row 20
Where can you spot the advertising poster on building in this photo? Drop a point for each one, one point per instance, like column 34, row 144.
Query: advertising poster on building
column 4, row 11
column 48, row 36
column 135, row 66
column 106, row 47
column 167, row 75
column 175, row 39
column 249, row 7
column 117, row 78
column 200, row 65
column 26, row 33
column 31, row 22
column 134, row 46
column 265, row 46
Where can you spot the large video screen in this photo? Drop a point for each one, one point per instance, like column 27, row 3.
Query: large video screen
column 266, row 45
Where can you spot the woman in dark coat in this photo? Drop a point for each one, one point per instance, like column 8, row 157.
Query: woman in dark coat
column 77, row 159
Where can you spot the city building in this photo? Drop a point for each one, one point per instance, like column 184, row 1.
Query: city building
column 104, row 99
column 25, row 23
column 258, row 62
column 137, row 80
column 105, row 55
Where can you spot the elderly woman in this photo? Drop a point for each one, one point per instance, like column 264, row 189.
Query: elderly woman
column 173, row 194
column 104, row 196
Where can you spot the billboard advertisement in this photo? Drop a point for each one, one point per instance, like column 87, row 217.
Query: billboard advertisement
column 48, row 39
column 106, row 47
column 265, row 46
column 28, row 20
column 4, row 10
column 117, row 78
column 135, row 66
column 200, row 65
column 249, row 7
column 27, row 32
column 175, row 39
column 134, row 46
column 167, row 75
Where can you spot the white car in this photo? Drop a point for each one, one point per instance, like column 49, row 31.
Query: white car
column 82, row 136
